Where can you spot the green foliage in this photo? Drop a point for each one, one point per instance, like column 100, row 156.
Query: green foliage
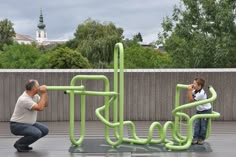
column 43, row 61
column 19, row 56
column 66, row 58
column 203, row 35
column 96, row 41
column 7, row 32
column 28, row 56
column 137, row 56
column 93, row 46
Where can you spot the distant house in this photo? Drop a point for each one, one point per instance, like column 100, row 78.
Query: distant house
column 159, row 47
column 41, row 36
column 24, row 39
column 51, row 43
column 143, row 44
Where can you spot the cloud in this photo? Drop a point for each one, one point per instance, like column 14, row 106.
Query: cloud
column 63, row 17
column 24, row 26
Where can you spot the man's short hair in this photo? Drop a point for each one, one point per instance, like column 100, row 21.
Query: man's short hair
column 30, row 84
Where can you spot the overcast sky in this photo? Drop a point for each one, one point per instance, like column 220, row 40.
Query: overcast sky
column 62, row 17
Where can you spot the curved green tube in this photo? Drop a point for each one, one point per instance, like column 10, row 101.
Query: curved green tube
column 178, row 142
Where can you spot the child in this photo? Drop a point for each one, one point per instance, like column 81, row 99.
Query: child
column 196, row 93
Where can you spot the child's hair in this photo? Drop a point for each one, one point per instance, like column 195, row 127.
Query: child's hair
column 200, row 82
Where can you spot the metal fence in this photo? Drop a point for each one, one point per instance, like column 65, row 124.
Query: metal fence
column 149, row 94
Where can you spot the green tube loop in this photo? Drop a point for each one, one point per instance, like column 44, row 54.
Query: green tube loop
column 115, row 99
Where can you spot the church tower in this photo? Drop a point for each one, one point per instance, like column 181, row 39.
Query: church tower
column 41, row 34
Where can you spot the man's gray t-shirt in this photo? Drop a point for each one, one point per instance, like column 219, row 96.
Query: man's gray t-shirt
column 22, row 112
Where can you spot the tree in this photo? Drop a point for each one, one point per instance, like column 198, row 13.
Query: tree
column 202, row 35
column 96, row 41
column 138, row 37
column 66, row 58
column 137, row 56
column 6, row 32
column 17, row 56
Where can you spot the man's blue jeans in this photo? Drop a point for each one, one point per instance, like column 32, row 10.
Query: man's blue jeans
column 200, row 126
column 30, row 132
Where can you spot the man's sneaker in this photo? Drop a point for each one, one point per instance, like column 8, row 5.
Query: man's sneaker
column 200, row 141
column 194, row 141
column 28, row 148
column 20, row 148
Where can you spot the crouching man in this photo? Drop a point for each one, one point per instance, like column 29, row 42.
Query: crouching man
column 24, row 118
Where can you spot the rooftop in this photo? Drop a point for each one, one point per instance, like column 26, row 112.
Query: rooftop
column 24, row 37
column 222, row 141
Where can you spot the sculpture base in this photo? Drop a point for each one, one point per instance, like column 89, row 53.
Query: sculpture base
column 101, row 146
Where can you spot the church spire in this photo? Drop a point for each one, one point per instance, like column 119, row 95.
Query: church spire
column 41, row 34
column 41, row 25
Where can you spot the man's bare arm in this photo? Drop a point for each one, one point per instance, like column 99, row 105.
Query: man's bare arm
column 43, row 102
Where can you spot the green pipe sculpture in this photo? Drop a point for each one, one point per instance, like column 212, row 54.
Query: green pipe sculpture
column 178, row 142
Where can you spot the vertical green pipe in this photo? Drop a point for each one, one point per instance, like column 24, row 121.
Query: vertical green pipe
column 82, row 124
column 72, row 108
column 107, row 128
column 121, row 100
column 115, row 86
column 117, row 50
column 83, row 107
column 82, row 116
column 176, row 118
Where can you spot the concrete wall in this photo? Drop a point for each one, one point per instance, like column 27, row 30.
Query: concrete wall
column 149, row 94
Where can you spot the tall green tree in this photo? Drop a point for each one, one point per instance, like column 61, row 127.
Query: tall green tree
column 202, row 34
column 7, row 32
column 96, row 41
column 66, row 58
